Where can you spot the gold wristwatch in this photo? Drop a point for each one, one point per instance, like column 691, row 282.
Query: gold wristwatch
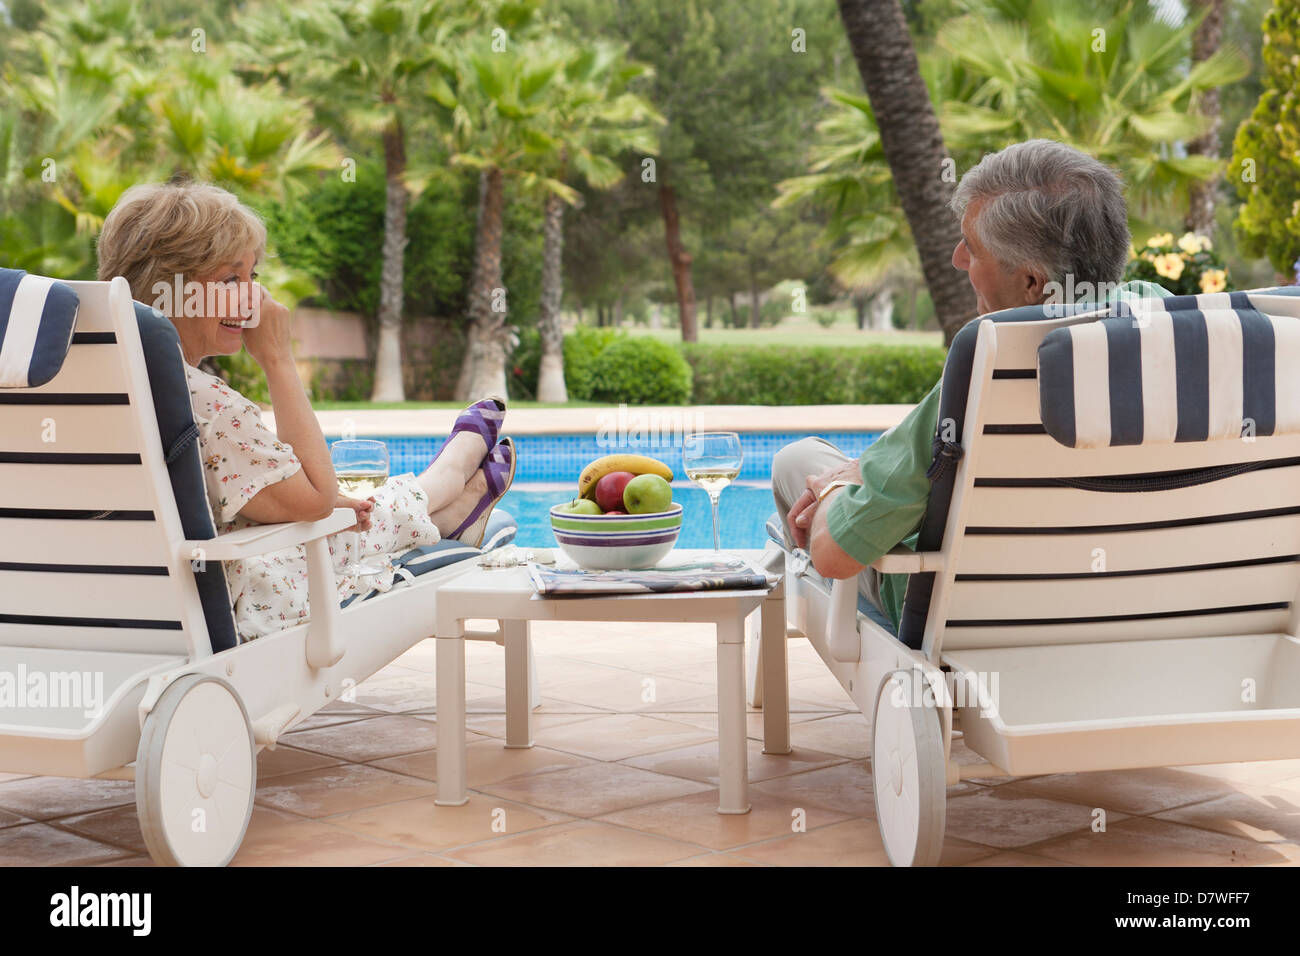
column 837, row 483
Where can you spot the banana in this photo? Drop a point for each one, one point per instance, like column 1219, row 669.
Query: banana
column 637, row 464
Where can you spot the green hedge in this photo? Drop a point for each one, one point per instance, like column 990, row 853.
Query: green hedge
column 812, row 375
column 731, row 374
column 640, row 371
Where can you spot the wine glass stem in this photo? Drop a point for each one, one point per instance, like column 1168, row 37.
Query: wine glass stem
column 714, row 498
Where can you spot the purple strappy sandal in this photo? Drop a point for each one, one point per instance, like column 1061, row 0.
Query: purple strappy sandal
column 499, row 470
column 483, row 419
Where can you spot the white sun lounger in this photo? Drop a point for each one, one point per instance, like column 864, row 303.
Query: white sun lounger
column 1076, row 605
column 120, row 615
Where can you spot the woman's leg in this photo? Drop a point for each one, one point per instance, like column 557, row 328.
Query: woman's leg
column 448, row 517
column 445, row 480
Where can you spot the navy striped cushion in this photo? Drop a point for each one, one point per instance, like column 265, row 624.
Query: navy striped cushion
column 37, row 318
column 1185, row 368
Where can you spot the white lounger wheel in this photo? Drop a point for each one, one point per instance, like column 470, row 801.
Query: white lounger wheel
column 907, row 770
column 195, row 774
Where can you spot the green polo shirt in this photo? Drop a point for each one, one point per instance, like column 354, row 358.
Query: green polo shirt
column 870, row 519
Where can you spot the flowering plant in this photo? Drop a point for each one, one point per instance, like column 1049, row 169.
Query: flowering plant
column 1188, row 266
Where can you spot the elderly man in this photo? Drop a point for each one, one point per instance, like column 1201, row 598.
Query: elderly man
column 1036, row 218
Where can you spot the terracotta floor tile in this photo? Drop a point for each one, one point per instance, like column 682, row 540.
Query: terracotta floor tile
column 422, row 859
column 617, row 736
column 1005, row 818
column 1143, row 841
column 577, row 844
column 1016, row 858
column 1266, row 815
column 369, row 739
column 6, row 777
column 323, row 719
column 1261, row 772
column 709, row 720
column 844, row 787
column 287, row 759
column 330, row 790
column 594, row 789
column 422, row 825
column 847, row 735
column 1132, row 791
column 696, row 819
column 645, row 656
column 486, row 761
column 625, row 691
column 700, row 762
column 824, row 688
column 38, row 844
column 714, row 859
column 414, row 691
column 119, row 826
column 708, row 704
column 8, row 819
column 280, row 839
column 852, row 843
column 494, row 725
column 42, row 798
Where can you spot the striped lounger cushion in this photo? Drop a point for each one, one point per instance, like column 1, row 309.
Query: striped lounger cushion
column 1186, row 368
column 37, row 318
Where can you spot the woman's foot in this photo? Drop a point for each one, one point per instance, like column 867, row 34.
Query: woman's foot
column 498, row 473
column 461, row 456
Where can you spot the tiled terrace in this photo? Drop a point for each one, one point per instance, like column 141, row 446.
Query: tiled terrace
column 615, row 779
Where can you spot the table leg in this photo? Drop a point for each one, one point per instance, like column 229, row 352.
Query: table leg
column 519, row 669
column 775, row 674
column 451, row 722
column 733, row 756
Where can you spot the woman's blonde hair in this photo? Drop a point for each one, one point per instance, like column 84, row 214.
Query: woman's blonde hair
column 157, row 231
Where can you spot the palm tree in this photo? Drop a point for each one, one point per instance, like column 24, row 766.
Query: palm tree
column 913, row 146
column 372, row 68
column 498, row 120
column 850, row 180
column 1205, row 44
column 1128, row 104
column 591, row 118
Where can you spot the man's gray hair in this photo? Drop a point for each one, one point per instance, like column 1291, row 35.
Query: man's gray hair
column 1049, row 208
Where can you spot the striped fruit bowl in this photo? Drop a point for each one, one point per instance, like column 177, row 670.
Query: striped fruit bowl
column 617, row 542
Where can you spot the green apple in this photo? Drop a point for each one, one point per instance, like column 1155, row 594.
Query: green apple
column 581, row 506
column 647, row 494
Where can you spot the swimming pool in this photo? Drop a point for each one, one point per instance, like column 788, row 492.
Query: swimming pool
column 549, row 465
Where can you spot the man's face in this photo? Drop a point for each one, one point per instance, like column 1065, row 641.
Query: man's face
column 995, row 287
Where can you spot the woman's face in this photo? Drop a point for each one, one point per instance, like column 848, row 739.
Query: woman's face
column 229, row 298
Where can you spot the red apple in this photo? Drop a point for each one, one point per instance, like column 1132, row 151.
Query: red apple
column 609, row 490
column 615, row 512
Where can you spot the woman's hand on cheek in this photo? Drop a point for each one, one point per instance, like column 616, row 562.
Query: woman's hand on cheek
column 268, row 341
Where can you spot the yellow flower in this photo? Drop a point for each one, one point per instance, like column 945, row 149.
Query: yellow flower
column 1206, row 245
column 1190, row 243
column 1170, row 265
column 1213, row 280
column 1132, row 253
column 1163, row 239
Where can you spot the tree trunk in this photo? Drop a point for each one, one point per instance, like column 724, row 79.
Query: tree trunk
column 708, row 312
column 731, row 298
column 882, row 310
column 1202, row 195
column 618, row 311
column 550, row 373
column 860, row 307
column 913, row 146
column 681, row 262
column 388, row 353
column 483, row 372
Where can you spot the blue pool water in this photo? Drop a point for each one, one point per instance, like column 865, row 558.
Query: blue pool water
column 549, row 465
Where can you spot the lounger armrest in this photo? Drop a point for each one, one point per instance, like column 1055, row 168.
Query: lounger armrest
column 248, row 542
column 903, row 560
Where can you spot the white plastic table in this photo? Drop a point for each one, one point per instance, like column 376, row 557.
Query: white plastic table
column 508, row 595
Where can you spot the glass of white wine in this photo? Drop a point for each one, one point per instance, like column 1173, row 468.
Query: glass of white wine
column 712, row 460
column 360, row 466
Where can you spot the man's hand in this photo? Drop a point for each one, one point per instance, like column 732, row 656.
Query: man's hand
column 800, row 516
column 362, row 508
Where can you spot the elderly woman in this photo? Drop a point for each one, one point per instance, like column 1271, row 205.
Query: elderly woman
column 167, row 235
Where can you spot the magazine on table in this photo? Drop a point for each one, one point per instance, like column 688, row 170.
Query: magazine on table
column 710, row 574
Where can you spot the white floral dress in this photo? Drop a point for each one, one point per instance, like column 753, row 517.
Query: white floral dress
column 241, row 456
